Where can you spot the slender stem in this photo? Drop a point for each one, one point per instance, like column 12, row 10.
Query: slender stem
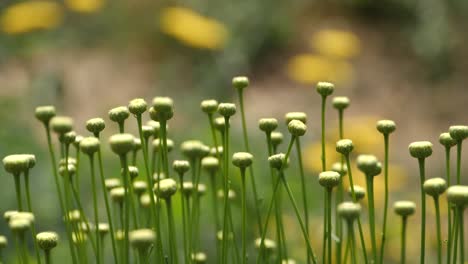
column 48, row 259
column 215, row 208
column 244, row 218
column 123, row 164
column 84, row 217
column 77, row 173
column 462, row 235
column 459, row 151
column 172, row 235
column 68, row 205
column 24, row 249
column 323, row 157
column 121, row 127
column 304, row 190
column 439, row 239
column 325, row 227
column 384, row 227
column 403, row 239
column 189, row 229
column 347, row 249
column 29, row 205
column 18, row 191
column 329, row 225
column 455, row 235
column 370, row 199
column 353, row 242
column 196, row 204
column 226, row 190
column 422, row 176
column 449, row 212
column 95, row 207
column 236, row 248
column 19, row 256
column 184, row 218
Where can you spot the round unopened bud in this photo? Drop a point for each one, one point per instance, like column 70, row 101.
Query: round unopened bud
column 215, row 151
column 385, row 126
column 77, row 142
column 201, row 189
column 19, row 224
column 301, row 116
column 344, row 146
column 137, row 106
column 142, row 238
column 145, row 200
column 219, row 235
column 269, row 244
column 16, row 163
column 147, row 131
column 121, row 144
column 268, row 124
column 74, row 216
column 117, row 194
column 103, row 228
column 359, row 192
column 446, row 140
column 181, row 166
column 458, row 133
column 276, row 139
column 227, row 109
column 458, row 195
column 23, row 215
column 435, row 186
column 47, row 240
column 165, row 188
column 95, row 125
column 71, row 170
column 136, row 144
column 3, row 242
column 45, row 113
column 240, row 82
column 276, row 161
column 156, row 127
column 8, row 214
column 163, row 109
column 193, row 149
column 170, row 145
column 61, row 124
column 325, row 88
column 119, row 114
column 288, row 261
column 89, row 145
column 420, row 149
column 339, row 167
column 297, row 128
column 209, row 106
column 231, row 194
column 349, row 210
column 369, row 165
column 133, row 172
column 120, row 235
column 329, row 179
column 140, row 187
column 32, row 160
column 220, row 124
column 404, row 208
column 340, row 102
column 112, row 183
column 199, row 257
column 188, row 188
column 68, row 138
column 242, row 159
column 210, row 164
column 158, row 176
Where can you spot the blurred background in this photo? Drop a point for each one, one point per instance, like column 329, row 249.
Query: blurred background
column 395, row 59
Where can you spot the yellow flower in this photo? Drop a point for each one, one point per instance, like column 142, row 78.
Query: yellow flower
column 193, row 29
column 309, row 69
column 85, row 6
column 29, row 16
column 335, row 43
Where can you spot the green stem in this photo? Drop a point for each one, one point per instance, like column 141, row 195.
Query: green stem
column 215, row 210
column 18, row 191
column 455, row 235
column 95, row 207
column 324, row 162
column 449, row 212
column 422, row 177
column 244, row 218
column 247, row 148
column 325, row 227
column 123, row 164
column 24, row 249
column 384, row 227
column 462, row 235
column 77, row 173
column 459, row 150
column 48, row 259
column 19, row 256
column 226, row 190
column 353, row 242
column 370, row 199
column 196, row 204
column 347, row 249
column 403, row 240
column 172, row 235
column 29, row 205
column 189, row 230
column 304, row 190
column 121, row 127
column 184, row 218
column 85, row 218
column 439, row 239
column 329, row 225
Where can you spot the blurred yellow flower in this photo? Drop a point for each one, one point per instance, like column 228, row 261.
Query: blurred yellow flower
column 85, row 6
column 336, row 43
column 193, row 29
column 309, row 68
column 29, row 16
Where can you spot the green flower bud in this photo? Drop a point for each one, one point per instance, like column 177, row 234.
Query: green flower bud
column 61, row 124
column 267, row 124
column 329, row 179
column 458, row 195
column 385, row 126
column 133, row 172
column 79, row 238
column 210, row 164
column 163, row 109
column 23, row 215
column 137, row 106
column 136, row 144
column 199, row 258
column 170, row 145
column 435, row 186
column 3, row 242
column 74, row 216
column 119, row 114
column 297, row 128
column 8, row 214
column 112, row 183
column 231, row 194
column 209, row 106
column 242, row 159
column 276, row 138
column 226, row 109
column 142, row 239
column 68, row 138
column 19, row 224
column 458, row 133
column 86, row 227
column 446, row 140
column 269, row 244
column 219, row 235
column 288, row 261
column 301, row 116
column 420, row 149
column 77, row 142
column 89, row 145
column 45, row 113
column 349, row 211
column 342, row 169
column 119, row 235
column 47, row 240
column 140, row 187
column 240, row 82
column 121, row 144
column 359, row 192
column 156, row 127
column 145, row 200
column 17, row 163
column 181, row 166
column 70, row 161
column 219, row 150
column 369, row 165
column 95, row 125
column 188, row 188
column 157, row 177
column 220, row 124
column 404, row 208
column 344, row 146
column 201, row 189
column 103, row 228
column 276, row 161
column 340, row 102
column 147, row 131
column 117, row 194
column 325, row 88
column 71, row 170
column 165, row 188
column 193, row 149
